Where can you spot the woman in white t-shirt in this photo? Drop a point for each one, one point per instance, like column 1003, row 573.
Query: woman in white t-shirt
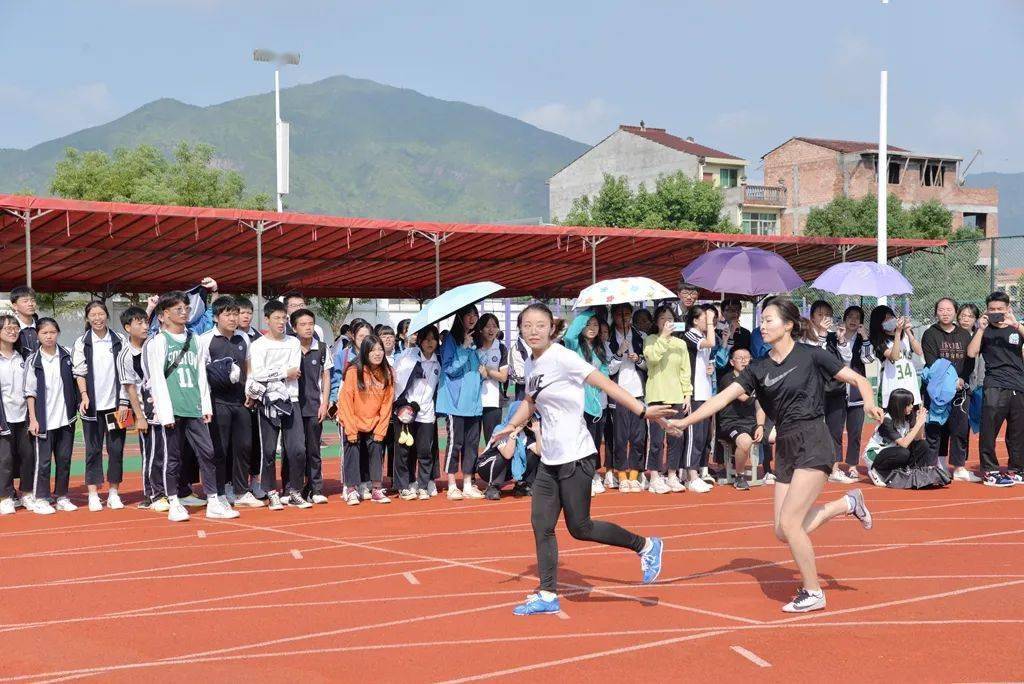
column 493, row 356
column 700, row 341
column 555, row 379
column 894, row 343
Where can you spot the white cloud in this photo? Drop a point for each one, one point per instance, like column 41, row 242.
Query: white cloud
column 589, row 122
column 53, row 113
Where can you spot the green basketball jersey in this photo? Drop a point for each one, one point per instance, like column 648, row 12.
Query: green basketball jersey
column 183, row 383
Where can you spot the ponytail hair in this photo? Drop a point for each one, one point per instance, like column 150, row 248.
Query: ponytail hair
column 789, row 314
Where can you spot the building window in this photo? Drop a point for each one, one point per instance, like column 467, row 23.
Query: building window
column 760, row 223
column 895, row 172
column 931, row 174
column 728, row 178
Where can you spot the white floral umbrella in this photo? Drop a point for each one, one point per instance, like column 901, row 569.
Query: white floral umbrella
column 621, row 291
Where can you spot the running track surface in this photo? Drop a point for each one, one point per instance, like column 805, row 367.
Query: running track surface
column 423, row 591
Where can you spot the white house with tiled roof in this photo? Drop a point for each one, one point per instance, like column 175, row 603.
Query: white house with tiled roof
column 643, row 154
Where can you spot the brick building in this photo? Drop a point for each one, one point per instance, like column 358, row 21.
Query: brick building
column 643, row 154
column 815, row 171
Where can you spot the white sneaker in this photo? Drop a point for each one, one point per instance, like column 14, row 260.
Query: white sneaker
column 274, row 501
column 64, row 504
column 26, row 501
column 114, row 502
column 42, row 507
column 176, row 512
column 875, row 478
column 769, row 478
column 964, row 475
column 319, row 499
column 352, row 498
column 638, row 485
column 454, row 494
column 432, row 488
column 610, row 481
column 364, row 491
column 423, row 495
column 94, row 503
column 598, row 485
column 407, row 495
column 593, row 489
column 839, row 477
column 853, row 473
column 218, row 508
column 707, row 476
column 295, row 500
column 249, row 500
column 698, row 486
column 161, row 505
column 644, row 484
column 7, row 506
column 658, row 485
column 805, row 601
column 674, row 484
column 471, row 492
column 625, row 487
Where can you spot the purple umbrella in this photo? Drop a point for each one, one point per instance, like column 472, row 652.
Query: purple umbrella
column 742, row 270
column 864, row 279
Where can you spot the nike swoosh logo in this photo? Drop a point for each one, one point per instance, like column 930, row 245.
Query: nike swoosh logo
column 769, row 381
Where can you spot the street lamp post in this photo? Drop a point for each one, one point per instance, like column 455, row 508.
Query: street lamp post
column 281, row 128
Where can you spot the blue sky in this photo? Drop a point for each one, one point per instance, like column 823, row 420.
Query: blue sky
column 742, row 76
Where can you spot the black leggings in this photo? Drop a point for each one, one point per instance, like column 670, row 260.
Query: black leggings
column 567, row 488
column 422, row 451
column 363, row 455
column 489, row 421
column 891, row 458
column 595, row 424
column 53, row 446
column 16, row 457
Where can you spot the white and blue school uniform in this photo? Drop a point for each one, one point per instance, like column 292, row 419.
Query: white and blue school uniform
column 50, row 384
column 95, row 359
column 416, row 381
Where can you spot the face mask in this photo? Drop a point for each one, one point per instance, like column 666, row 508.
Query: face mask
column 889, row 325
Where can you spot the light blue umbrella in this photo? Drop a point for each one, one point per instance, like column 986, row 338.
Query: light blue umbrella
column 449, row 302
column 863, row 279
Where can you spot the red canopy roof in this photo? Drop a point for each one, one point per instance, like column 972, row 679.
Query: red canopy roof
column 106, row 246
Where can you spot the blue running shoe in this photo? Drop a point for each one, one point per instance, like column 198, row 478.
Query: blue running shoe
column 650, row 562
column 536, row 605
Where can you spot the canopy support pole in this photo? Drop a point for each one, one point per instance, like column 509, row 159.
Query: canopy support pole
column 437, row 239
column 259, row 227
column 28, row 217
column 593, row 242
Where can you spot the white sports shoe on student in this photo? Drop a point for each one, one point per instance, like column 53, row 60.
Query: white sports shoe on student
column 114, row 502
column 249, row 501
column 962, row 474
column 217, row 508
column 64, row 505
column 698, row 486
column 161, row 505
column 598, row 485
column 319, row 499
column 644, row 484
column 364, row 491
column 432, row 488
column 610, row 481
column 674, row 484
column 471, row 492
column 875, row 478
column 26, row 501
column 658, row 485
column 423, row 495
column 95, row 504
column 352, row 498
column 42, row 507
column 839, row 477
column 805, row 601
column 176, row 512
column 454, row 494
column 7, row 507
column 275, row 503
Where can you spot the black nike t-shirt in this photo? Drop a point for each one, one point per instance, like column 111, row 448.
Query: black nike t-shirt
column 793, row 390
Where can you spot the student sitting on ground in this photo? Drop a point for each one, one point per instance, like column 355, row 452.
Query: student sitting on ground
column 897, row 443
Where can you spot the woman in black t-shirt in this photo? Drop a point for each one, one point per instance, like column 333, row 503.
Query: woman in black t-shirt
column 790, row 386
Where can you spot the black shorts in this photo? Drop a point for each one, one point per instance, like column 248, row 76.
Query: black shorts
column 804, row 444
column 728, row 432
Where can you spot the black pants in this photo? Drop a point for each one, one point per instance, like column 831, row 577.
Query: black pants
column 520, row 391
column 188, row 434
column 854, row 427
column 950, row 438
column 999, row 406
column 232, row 442
column 151, row 450
column 630, row 433
column 364, row 455
column 55, row 445
column 16, row 457
column 255, row 455
column 418, row 458
column 697, row 438
column 595, row 425
column 917, row 455
column 489, row 421
column 96, row 432
column 463, row 444
column 312, row 429
column 293, row 442
column 662, row 442
column 567, row 488
column 609, row 438
column 835, row 419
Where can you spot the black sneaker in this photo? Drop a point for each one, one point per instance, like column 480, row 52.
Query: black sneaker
column 520, row 490
column 492, row 493
column 295, row 500
column 741, row 484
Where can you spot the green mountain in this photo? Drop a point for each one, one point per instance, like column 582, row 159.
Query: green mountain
column 358, row 148
column 1011, row 198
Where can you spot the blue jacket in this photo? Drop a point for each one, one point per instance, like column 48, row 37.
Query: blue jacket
column 200, row 318
column 571, row 340
column 342, row 357
column 458, row 391
column 941, row 379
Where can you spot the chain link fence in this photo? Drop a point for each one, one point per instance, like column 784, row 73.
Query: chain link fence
column 966, row 270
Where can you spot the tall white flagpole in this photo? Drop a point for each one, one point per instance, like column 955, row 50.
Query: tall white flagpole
column 883, row 170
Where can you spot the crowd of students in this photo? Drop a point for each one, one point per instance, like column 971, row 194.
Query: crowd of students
column 217, row 402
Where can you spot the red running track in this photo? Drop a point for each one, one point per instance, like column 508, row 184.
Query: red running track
column 423, row 591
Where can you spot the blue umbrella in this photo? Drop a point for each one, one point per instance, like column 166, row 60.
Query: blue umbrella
column 742, row 270
column 446, row 304
column 863, row 279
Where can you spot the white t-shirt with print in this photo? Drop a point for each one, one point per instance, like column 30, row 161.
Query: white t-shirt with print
column 900, row 375
column 556, row 383
column 494, row 358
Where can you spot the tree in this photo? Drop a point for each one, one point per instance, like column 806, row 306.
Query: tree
column 143, row 175
column 335, row 310
column 677, row 202
column 845, row 217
